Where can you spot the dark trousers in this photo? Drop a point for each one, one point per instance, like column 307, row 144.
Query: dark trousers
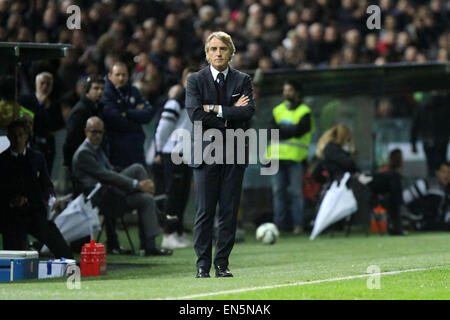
column 47, row 147
column 436, row 154
column 388, row 184
column 216, row 184
column 177, row 182
column 21, row 222
column 121, row 203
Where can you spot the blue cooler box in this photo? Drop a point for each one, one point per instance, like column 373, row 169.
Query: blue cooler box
column 18, row 265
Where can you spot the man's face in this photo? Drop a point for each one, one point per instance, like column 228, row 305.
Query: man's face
column 95, row 93
column 94, row 133
column 44, row 85
column 443, row 175
column 18, row 138
column 289, row 93
column 119, row 75
column 218, row 54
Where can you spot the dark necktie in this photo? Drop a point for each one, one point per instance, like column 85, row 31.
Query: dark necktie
column 102, row 159
column 222, row 88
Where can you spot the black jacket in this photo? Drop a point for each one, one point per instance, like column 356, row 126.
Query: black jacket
column 76, row 122
column 201, row 90
column 337, row 161
column 46, row 120
column 26, row 177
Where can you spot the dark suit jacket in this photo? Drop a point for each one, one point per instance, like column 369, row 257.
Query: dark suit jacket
column 202, row 90
column 76, row 122
column 88, row 170
column 45, row 120
column 34, row 184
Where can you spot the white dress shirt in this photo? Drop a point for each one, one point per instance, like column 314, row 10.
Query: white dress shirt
column 215, row 74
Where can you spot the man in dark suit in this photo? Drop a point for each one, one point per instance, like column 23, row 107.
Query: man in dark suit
column 25, row 190
column 217, row 97
column 131, row 186
column 88, row 106
column 48, row 116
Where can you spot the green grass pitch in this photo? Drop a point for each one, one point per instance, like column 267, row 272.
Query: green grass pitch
column 279, row 272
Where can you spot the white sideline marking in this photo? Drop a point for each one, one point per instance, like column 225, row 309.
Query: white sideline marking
column 200, row 295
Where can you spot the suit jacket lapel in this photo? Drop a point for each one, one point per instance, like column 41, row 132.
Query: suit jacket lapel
column 212, row 91
column 231, row 83
column 95, row 152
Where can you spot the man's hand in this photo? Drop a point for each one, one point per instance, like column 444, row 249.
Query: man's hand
column 19, row 201
column 147, row 186
column 158, row 159
column 242, row 101
column 140, row 106
column 206, row 107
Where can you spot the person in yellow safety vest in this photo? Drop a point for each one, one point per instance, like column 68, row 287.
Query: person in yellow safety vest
column 295, row 123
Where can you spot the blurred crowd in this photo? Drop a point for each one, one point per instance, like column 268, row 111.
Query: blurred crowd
column 159, row 38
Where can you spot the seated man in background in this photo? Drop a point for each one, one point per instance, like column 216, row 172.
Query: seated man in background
column 25, row 190
column 430, row 199
column 132, row 185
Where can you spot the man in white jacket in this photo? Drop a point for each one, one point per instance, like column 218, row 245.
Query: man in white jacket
column 177, row 178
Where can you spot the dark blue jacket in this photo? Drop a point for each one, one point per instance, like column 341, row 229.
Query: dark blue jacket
column 125, row 133
column 76, row 122
column 28, row 177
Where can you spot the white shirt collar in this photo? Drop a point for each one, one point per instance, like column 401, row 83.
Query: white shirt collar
column 15, row 154
column 91, row 144
column 216, row 72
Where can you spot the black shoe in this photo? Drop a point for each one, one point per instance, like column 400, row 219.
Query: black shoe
column 223, row 272
column 202, row 273
column 118, row 250
column 158, row 252
column 166, row 220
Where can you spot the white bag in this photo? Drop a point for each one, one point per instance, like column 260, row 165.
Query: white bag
column 338, row 203
column 78, row 220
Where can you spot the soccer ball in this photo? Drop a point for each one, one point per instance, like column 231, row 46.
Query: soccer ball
column 267, row 233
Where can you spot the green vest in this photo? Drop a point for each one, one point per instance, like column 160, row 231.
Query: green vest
column 295, row 148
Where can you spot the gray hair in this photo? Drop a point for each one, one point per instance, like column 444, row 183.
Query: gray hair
column 44, row 74
column 225, row 38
